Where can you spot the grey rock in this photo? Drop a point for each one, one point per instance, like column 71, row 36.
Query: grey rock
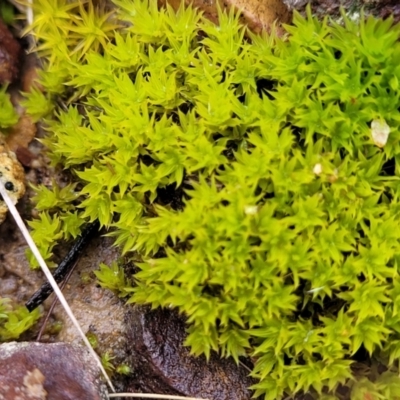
column 295, row 4
column 56, row 371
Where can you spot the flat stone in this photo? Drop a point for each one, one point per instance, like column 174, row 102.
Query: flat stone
column 56, row 371
column 162, row 364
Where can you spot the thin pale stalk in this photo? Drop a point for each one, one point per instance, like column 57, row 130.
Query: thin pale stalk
column 53, row 304
column 29, row 13
column 50, row 278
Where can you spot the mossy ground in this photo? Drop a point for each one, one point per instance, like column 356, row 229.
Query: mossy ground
column 260, row 223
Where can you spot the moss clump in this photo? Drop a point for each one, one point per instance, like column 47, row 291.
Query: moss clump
column 15, row 320
column 8, row 115
column 256, row 180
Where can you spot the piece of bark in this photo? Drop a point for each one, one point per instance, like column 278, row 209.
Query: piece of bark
column 10, row 52
column 56, row 371
column 162, row 364
column 258, row 15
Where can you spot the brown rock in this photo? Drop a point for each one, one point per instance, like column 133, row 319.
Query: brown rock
column 21, row 134
column 58, row 371
column 10, row 52
column 163, row 365
column 258, row 15
column 12, row 176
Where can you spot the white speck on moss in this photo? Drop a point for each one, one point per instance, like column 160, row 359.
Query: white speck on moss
column 317, row 169
column 380, row 132
column 250, row 210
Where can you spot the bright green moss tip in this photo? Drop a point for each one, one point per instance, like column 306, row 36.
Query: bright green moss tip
column 257, row 181
column 8, row 116
column 15, row 319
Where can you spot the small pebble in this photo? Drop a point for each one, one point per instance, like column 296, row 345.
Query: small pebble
column 8, row 286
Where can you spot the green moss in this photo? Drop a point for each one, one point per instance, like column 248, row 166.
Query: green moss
column 15, row 320
column 106, row 360
column 93, row 339
column 7, row 13
column 8, row 116
column 247, row 176
column 112, row 278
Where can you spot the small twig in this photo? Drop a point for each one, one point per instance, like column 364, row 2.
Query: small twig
column 50, row 278
column 54, row 302
column 153, row 396
column 65, row 265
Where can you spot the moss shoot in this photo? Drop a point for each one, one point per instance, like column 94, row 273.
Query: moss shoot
column 254, row 178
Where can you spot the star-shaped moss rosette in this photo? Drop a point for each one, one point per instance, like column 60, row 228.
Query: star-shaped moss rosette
column 281, row 238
